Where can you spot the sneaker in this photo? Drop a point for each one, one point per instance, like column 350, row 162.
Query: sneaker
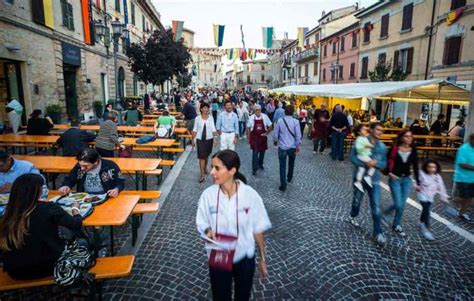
column 314, row 153
column 466, row 218
column 254, row 173
column 354, row 222
column 359, row 186
column 380, row 239
column 261, row 167
column 398, row 229
column 368, row 181
column 282, row 188
column 426, row 232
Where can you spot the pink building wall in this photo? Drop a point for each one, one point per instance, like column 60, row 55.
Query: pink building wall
column 345, row 57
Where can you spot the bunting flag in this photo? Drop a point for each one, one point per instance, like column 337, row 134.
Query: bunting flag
column 454, row 15
column 218, row 34
column 230, row 54
column 267, row 34
column 251, row 54
column 42, row 11
column 177, row 28
column 301, row 34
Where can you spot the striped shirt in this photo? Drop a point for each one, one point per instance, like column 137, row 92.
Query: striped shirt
column 108, row 136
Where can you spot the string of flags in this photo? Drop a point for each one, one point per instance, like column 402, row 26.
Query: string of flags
column 177, row 29
column 233, row 53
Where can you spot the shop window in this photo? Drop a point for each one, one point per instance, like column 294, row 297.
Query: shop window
column 455, row 4
column 407, row 16
column 452, row 50
column 384, row 26
column 365, row 66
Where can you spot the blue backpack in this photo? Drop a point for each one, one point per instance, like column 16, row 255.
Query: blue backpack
column 145, row 139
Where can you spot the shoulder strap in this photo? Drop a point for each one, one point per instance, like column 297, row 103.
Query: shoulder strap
column 286, row 124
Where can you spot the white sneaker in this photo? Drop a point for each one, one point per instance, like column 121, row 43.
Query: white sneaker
column 314, row 153
column 426, row 232
column 368, row 181
column 380, row 239
column 359, row 186
column 398, row 229
column 354, row 222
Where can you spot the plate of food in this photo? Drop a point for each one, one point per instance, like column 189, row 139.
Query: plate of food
column 81, row 197
column 4, row 199
column 85, row 209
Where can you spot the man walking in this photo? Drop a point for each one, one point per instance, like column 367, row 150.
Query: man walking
column 279, row 113
column 228, row 126
column 189, row 113
column 379, row 161
column 287, row 136
column 464, row 178
column 338, row 124
column 258, row 127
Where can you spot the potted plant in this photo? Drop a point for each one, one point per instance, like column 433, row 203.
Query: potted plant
column 98, row 108
column 54, row 111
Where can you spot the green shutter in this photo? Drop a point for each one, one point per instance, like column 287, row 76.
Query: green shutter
column 107, row 37
column 64, row 12
column 70, row 17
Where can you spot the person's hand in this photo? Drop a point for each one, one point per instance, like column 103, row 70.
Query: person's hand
column 193, row 143
column 122, row 146
column 6, row 187
column 298, row 149
column 372, row 163
column 263, row 134
column 64, row 190
column 210, row 234
column 417, row 188
column 235, row 140
column 392, row 176
column 113, row 192
column 262, row 268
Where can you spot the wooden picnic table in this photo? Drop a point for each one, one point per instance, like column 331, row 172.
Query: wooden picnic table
column 34, row 140
column 121, row 128
column 113, row 212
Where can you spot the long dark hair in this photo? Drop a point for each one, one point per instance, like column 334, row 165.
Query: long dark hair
column 399, row 139
column 25, row 193
column 231, row 159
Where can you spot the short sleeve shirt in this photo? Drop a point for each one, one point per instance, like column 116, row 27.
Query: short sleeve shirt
column 92, row 183
column 465, row 155
column 166, row 120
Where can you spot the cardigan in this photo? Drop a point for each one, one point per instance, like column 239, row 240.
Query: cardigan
column 399, row 168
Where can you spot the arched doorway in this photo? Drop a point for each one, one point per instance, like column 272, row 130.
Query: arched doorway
column 121, row 84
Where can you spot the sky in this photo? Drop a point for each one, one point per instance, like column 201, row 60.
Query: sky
column 283, row 15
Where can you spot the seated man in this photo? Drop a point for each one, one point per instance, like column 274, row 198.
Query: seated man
column 94, row 175
column 74, row 140
column 11, row 169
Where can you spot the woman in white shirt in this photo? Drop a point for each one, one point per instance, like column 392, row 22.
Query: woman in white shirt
column 232, row 214
column 204, row 132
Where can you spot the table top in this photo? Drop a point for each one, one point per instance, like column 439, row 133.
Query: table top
column 120, row 128
column 156, row 143
column 65, row 164
column 28, row 138
column 113, row 212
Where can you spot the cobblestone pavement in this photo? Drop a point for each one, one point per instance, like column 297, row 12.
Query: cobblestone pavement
column 313, row 252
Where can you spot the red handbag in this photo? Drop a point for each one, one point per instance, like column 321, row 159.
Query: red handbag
column 224, row 259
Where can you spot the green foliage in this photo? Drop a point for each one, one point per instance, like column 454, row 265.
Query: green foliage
column 53, row 109
column 97, row 104
column 398, row 75
column 184, row 80
column 381, row 72
column 159, row 58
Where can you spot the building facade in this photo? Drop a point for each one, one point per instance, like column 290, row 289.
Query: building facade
column 256, row 74
column 307, row 59
column 50, row 53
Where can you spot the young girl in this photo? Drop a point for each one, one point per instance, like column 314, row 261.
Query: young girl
column 431, row 184
column 364, row 151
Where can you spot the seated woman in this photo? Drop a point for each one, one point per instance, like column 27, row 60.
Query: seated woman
column 165, row 125
column 38, row 125
column 29, row 235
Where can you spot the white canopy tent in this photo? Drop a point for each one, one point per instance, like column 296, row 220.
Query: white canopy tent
column 428, row 91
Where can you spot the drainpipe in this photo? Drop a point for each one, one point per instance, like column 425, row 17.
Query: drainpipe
column 430, row 37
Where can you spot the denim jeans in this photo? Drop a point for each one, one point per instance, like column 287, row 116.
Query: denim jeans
column 337, row 146
column 425, row 213
column 400, row 189
column 282, row 154
column 242, row 128
column 257, row 159
column 374, row 199
column 321, row 142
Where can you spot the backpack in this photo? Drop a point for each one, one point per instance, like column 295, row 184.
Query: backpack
column 145, row 139
column 72, row 268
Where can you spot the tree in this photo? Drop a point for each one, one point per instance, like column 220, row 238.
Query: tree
column 184, row 79
column 159, row 58
column 398, row 75
column 381, row 72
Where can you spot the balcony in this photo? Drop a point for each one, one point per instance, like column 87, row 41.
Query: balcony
column 307, row 54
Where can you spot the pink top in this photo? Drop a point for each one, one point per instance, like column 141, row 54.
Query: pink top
column 430, row 185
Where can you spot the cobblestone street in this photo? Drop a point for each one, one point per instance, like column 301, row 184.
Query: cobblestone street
column 313, row 252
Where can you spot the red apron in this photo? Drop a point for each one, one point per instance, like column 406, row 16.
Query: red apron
column 257, row 141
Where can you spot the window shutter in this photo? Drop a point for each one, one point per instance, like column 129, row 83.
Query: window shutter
column 409, row 60
column 365, row 65
column 64, row 13
column 455, row 4
column 37, row 11
column 384, row 26
column 341, row 72
column 315, row 71
column 352, row 71
column 324, row 74
column 70, row 16
column 354, row 40
column 452, row 50
column 334, row 47
column 395, row 59
column 407, row 16
column 343, row 41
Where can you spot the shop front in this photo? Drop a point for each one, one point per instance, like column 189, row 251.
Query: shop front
column 11, row 87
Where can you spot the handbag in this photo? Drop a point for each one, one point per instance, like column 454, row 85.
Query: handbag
column 73, row 266
column 224, row 259
column 125, row 152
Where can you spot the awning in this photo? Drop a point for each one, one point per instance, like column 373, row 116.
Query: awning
column 433, row 90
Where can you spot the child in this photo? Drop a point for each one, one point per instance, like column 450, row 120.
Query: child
column 364, row 151
column 431, row 184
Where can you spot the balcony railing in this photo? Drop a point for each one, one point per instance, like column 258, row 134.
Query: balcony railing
column 307, row 54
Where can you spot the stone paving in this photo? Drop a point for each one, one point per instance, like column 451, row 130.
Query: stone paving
column 313, row 252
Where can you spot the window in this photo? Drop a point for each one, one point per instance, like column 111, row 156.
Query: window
column 403, row 59
column 367, row 28
column 384, row 26
column 365, row 66
column 325, row 50
column 306, row 70
column 407, row 16
column 315, row 70
column 132, row 13
column 352, row 70
column 306, row 42
column 341, row 71
column 248, row 79
column 354, row 40
column 10, row 1
column 452, row 50
column 334, row 48
column 262, row 78
column 324, row 74
column 299, row 71
column 143, row 23
column 117, row 5
column 343, row 41
column 68, row 18
column 262, row 67
column 333, row 71
column 455, row 4
column 382, row 58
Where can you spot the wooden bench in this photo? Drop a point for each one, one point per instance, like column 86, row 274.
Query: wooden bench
column 427, row 149
column 173, row 150
column 138, row 211
column 184, row 136
column 105, row 268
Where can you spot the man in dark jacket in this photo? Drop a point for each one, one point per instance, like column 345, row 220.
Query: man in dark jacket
column 74, row 139
column 94, row 175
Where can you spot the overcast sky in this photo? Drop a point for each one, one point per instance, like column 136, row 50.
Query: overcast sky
column 283, row 15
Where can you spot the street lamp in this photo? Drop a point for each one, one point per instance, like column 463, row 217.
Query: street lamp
column 119, row 30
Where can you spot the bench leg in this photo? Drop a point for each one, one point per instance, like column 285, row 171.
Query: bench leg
column 112, row 253
column 144, row 183
column 134, row 229
column 137, row 179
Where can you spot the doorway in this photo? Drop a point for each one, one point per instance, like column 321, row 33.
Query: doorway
column 11, row 87
column 70, row 92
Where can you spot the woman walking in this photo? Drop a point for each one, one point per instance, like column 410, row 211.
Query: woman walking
column 108, row 136
column 205, row 131
column 232, row 214
column 401, row 158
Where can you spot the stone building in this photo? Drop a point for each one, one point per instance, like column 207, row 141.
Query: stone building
column 256, row 74
column 51, row 54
